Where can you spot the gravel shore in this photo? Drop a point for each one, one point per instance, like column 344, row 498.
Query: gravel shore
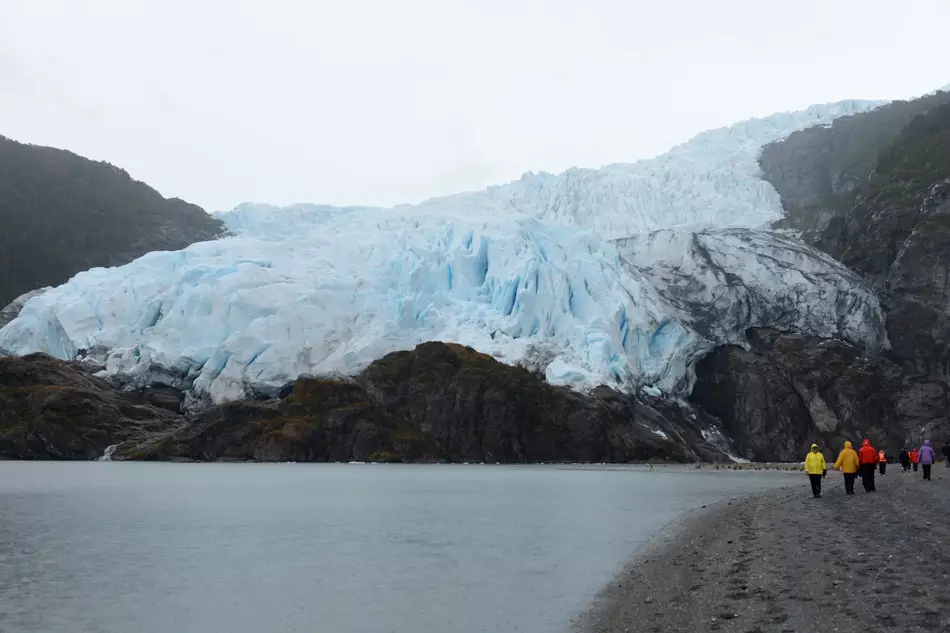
column 784, row 561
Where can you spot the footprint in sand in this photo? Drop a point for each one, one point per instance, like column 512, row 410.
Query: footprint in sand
column 779, row 618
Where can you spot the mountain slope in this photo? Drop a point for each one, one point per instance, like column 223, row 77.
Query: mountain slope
column 891, row 225
column 894, row 226
column 61, row 214
column 817, row 171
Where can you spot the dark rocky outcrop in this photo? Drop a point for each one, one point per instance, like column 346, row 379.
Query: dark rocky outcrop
column 439, row 402
column 817, row 170
column 321, row 420
column 61, row 214
column 916, row 296
column 477, row 409
column 788, row 391
column 51, row 409
column 873, row 191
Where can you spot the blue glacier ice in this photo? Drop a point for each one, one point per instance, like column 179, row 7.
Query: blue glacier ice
column 624, row 276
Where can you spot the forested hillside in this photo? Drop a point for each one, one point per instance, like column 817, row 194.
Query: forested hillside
column 61, row 214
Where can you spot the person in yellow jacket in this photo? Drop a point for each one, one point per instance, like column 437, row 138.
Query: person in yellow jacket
column 848, row 464
column 816, row 468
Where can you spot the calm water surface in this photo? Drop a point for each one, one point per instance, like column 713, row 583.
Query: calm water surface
column 273, row 548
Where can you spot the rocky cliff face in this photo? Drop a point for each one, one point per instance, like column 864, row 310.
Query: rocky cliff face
column 61, row 214
column 439, row 402
column 917, row 288
column 51, row 409
column 817, row 171
column 873, row 191
column 788, row 391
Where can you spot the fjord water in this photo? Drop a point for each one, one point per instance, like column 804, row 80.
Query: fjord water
column 334, row 548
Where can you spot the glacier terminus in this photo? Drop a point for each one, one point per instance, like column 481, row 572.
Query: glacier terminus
column 624, row 276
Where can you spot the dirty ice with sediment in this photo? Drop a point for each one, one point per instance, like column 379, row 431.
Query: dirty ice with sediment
column 624, row 275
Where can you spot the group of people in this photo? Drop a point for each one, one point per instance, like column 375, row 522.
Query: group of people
column 866, row 462
column 913, row 458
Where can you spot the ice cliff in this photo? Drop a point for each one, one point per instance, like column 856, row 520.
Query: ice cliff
column 623, row 275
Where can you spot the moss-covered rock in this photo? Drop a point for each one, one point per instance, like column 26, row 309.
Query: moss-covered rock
column 438, row 402
column 55, row 410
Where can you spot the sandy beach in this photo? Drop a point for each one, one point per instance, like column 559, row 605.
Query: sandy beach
column 784, row 561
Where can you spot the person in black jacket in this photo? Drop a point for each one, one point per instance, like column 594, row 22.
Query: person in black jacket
column 905, row 460
column 946, row 453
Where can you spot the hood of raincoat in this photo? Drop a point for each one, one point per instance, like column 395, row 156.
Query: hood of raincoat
column 926, row 442
column 867, row 454
column 847, row 460
column 815, row 462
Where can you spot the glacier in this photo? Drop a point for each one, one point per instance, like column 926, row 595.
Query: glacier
column 623, row 275
column 12, row 310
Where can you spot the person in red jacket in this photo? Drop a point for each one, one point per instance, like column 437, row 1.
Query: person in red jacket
column 882, row 462
column 914, row 458
column 867, row 457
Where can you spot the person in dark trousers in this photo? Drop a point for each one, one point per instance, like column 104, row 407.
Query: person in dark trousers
column 816, row 468
column 905, row 460
column 946, row 454
column 868, row 458
column 913, row 458
column 881, row 462
column 848, row 463
column 927, row 457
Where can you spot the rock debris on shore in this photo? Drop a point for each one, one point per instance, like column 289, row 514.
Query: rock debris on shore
column 783, row 561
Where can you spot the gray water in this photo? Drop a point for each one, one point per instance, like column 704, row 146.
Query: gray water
column 273, row 548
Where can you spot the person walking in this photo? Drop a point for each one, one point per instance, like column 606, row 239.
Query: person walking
column 847, row 463
column 881, row 462
column 905, row 460
column 817, row 468
column 946, row 454
column 927, row 457
column 914, row 455
column 868, row 458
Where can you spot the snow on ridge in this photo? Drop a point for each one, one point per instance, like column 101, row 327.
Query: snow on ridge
column 314, row 289
column 712, row 180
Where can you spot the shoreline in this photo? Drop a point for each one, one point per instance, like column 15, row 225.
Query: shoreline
column 783, row 561
column 655, row 467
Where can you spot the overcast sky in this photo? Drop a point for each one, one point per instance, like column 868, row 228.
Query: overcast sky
column 387, row 101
